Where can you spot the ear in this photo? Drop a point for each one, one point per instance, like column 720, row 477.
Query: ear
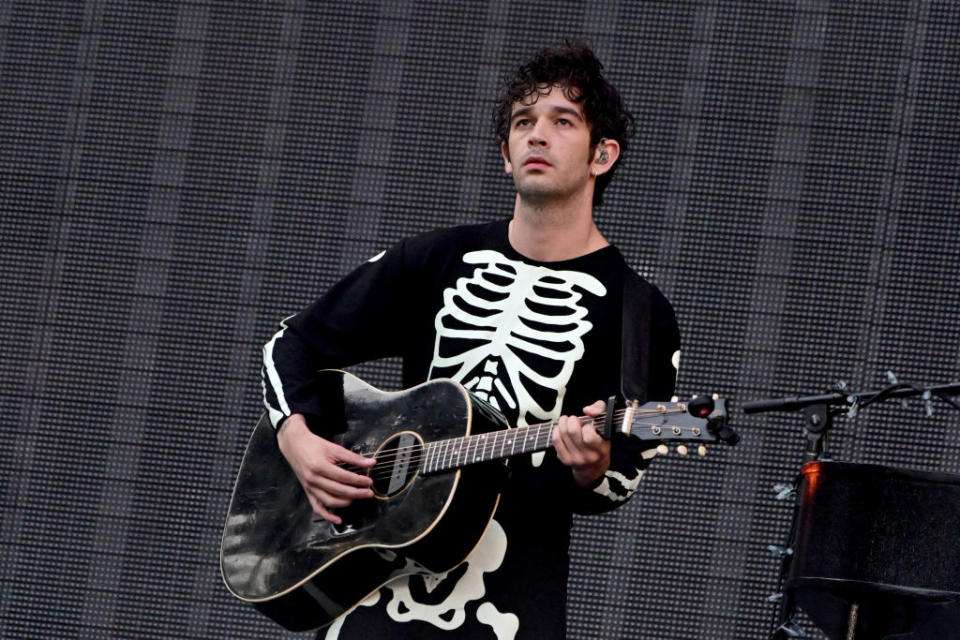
column 609, row 147
column 505, row 152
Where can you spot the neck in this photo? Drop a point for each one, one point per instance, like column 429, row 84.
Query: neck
column 554, row 231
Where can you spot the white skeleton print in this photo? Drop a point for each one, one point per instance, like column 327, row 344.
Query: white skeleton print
column 449, row 614
column 526, row 319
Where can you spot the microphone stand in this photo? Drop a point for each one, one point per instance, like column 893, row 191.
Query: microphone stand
column 818, row 410
column 818, row 413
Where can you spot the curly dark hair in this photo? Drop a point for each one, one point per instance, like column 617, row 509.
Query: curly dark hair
column 573, row 67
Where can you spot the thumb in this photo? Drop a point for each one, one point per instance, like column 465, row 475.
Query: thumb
column 595, row 409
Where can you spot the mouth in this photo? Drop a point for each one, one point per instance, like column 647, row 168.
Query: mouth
column 536, row 162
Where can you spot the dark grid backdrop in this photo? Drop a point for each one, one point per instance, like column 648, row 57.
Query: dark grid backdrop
column 176, row 177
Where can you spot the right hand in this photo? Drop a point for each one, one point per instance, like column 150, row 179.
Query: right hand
column 316, row 463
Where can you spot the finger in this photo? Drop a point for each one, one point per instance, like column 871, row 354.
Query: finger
column 595, row 409
column 560, row 442
column 591, row 437
column 568, row 441
column 340, row 491
column 331, row 501
column 350, row 457
column 326, row 469
column 322, row 511
column 571, row 431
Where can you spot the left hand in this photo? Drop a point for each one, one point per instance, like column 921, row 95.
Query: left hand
column 580, row 446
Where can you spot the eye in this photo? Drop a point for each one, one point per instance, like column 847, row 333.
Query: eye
column 564, row 122
column 521, row 122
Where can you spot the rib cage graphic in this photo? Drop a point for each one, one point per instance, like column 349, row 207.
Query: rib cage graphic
column 512, row 333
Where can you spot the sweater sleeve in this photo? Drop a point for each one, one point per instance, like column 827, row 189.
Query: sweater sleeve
column 355, row 320
column 629, row 458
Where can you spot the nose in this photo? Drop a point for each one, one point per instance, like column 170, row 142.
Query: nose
column 537, row 138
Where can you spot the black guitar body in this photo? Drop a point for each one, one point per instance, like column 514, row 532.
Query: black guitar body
column 303, row 572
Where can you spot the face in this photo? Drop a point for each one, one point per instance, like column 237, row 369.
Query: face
column 548, row 148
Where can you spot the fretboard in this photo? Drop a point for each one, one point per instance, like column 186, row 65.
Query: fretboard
column 453, row 453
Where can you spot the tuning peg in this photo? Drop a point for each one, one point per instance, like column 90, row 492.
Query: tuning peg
column 675, row 399
column 784, row 491
column 780, row 551
column 682, row 449
column 663, row 449
column 702, row 450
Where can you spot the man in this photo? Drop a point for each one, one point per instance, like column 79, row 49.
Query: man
column 528, row 314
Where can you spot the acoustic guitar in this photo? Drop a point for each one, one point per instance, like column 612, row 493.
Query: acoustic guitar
column 440, row 452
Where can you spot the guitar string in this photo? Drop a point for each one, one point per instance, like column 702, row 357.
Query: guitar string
column 619, row 413
column 390, row 454
column 383, row 468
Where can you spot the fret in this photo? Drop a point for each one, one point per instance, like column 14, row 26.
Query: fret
column 467, row 454
column 478, row 450
column 450, row 453
column 427, row 457
column 454, row 452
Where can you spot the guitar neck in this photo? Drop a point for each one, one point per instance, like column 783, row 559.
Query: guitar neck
column 454, row 453
column 654, row 421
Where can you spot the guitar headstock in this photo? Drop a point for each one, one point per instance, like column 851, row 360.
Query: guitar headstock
column 702, row 420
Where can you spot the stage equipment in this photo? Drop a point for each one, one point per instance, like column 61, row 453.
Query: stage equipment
column 872, row 551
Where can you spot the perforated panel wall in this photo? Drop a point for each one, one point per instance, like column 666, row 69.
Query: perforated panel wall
column 176, row 177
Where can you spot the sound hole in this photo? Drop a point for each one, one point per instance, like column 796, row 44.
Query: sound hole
column 398, row 461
